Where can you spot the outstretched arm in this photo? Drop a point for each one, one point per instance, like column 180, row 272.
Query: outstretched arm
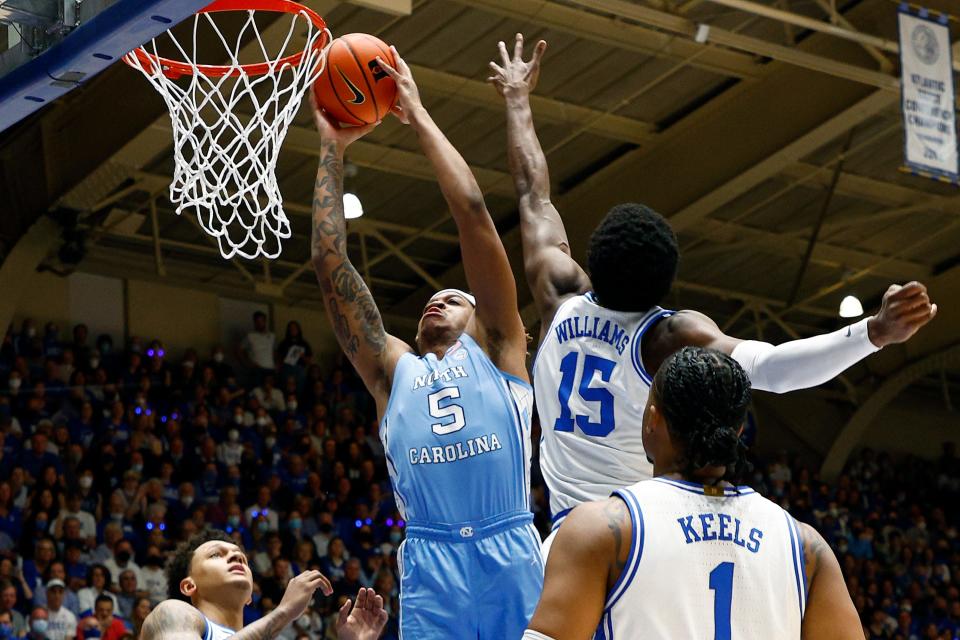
column 485, row 261
column 585, row 560
column 350, row 307
column 177, row 620
column 830, row 614
column 800, row 364
column 551, row 271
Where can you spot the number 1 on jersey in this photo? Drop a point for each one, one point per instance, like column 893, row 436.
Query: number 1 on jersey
column 721, row 583
column 591, row 364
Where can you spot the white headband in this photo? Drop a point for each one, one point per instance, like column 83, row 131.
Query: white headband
column 466, row 296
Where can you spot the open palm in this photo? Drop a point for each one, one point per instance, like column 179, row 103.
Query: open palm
column 516, row 73
column 363, row 620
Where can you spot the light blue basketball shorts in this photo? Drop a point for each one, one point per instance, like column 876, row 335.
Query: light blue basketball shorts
column 477, row 581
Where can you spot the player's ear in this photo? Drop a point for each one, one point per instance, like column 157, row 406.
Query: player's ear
column 656, row 418
column 188, row 587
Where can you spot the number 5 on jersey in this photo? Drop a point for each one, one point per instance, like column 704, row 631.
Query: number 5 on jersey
column 454, row 411
column 591, row 364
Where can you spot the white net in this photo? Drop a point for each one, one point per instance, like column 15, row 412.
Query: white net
column 229, row 123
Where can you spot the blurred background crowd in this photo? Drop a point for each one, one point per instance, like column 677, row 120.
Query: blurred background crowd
column 112, row 454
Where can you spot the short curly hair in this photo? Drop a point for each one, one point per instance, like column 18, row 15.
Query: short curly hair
column 178, row 567
column 632, row 258
column 704, row 394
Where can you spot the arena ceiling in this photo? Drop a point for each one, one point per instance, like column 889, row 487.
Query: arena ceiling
column 748, row 143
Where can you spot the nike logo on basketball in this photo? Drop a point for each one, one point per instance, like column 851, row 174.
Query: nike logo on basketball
column 358, row 97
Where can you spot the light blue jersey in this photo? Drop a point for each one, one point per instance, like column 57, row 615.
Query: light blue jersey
column 457, row 436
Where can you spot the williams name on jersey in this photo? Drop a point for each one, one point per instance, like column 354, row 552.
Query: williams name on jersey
column 591, row 389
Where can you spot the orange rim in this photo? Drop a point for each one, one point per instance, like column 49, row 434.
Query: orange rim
column 175, row 68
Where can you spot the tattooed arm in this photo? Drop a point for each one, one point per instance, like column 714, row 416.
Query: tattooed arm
column 353, row 314
column 830, row 614
column 173, row 620
column 585, row 561
column 177, row 620
column 485, row 261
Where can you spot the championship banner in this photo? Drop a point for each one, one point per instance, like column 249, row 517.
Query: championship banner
column 928, row 95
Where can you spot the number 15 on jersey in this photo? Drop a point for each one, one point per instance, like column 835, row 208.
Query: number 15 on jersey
column 591, row 365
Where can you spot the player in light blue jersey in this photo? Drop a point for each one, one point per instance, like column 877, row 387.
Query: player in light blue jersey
column 603, row 335
column 210, row 583
column 688, row 554
column 454, row 412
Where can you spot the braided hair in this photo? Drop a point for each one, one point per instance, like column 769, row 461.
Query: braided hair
column 703, row 395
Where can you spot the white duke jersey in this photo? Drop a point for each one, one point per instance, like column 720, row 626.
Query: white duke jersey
column 706, row 563
column 214, row 631
column 590, row 389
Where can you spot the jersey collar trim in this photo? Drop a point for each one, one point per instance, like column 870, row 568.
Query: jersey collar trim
column 694, row 487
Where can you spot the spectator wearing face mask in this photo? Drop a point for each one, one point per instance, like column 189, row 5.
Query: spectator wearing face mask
column 221, row 369
column 182, row 507
column 6, row 626
column 121, row 561
column 154, row 575
column 8, row 606
column 230, row 452
column 39, row 625
column 263, row 508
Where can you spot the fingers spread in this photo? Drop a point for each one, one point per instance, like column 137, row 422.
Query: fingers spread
column 362, row 598
column 497, row 68
column 518, row 47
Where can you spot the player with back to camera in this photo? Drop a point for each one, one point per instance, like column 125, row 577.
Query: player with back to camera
column 688, row 554
column 211, row 582
column 603, row 335
column 454, row 413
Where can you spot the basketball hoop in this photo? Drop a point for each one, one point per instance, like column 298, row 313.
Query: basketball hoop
column 225, row 161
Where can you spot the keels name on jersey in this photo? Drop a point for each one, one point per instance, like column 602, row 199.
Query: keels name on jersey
column 706, row 527
column 735, row 563
column 595, row 327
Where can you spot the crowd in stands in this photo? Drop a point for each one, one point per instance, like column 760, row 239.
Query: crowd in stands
column 110, row 456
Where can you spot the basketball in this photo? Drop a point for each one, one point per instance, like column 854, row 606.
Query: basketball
column 353, row 88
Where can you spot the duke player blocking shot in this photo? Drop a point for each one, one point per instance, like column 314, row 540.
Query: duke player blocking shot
column 455, row 413
column 603, row 335
column 688, row 554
